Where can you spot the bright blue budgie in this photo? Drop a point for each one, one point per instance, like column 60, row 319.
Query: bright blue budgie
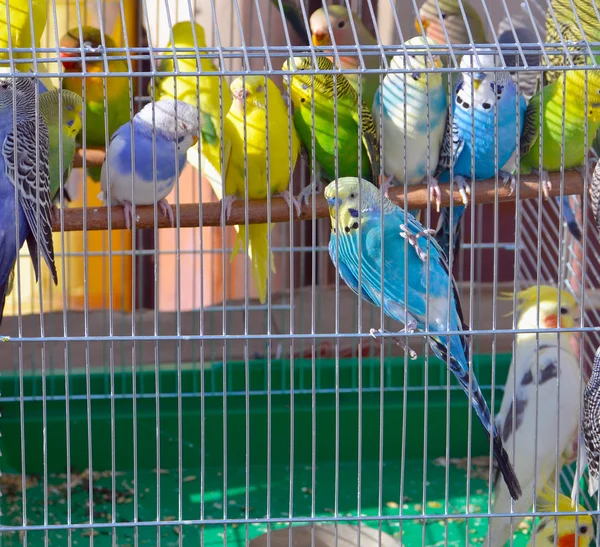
column 479, row 99
column 412, row 110
column 162, row 133
column 355, row 212
column 31, row 178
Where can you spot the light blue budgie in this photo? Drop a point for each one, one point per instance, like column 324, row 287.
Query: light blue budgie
column 356, row 209
column 479, row 99
column 29, row 176
column 175, row 125
column 412, row 110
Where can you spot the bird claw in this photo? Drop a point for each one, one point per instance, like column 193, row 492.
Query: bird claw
column 306, row 193
column 167, row 211
column 463, row 189
column 413, row 239
column 128, row 213
column 227, row 203
column 435, row 192
column 410, row 327
column 545, row 182
column 290, row 200
column 385, row 183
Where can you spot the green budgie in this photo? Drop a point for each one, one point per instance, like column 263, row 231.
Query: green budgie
column 343, row 34
column 72, row 106
column 554, row 156
column 334, row 138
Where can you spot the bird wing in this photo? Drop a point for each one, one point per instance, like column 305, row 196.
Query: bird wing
column 531, row 125
column 28, row 171
column 368, row 134
column 452, row 145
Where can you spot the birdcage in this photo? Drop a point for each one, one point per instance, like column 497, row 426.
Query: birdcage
column 159, row 395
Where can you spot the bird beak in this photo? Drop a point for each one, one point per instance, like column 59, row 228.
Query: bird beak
column 420, row 28
column 320, row 38
column 332, row 203
column 194, row 139
column 551, row 322
column 240, row 95
column 476, row 83
column 437, row 62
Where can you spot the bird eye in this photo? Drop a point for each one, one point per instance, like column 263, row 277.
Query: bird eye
column 486, row 106
column 444, row 15
column 341, row 24
column 583, row 529
column 180, row 139
column 415, row 76
column 564, row 311
column 352, row 195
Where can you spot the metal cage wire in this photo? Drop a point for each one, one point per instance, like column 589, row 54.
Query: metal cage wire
column 151, row 398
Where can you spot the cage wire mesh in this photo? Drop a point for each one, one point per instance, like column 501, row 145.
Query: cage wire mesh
column 151, row 398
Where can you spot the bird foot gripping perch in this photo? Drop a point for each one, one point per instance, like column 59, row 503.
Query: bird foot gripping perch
column 435, row 192
column 508, row 179
column 410, row 327
column 413, row 239
column 463, row 188
column 544, row 181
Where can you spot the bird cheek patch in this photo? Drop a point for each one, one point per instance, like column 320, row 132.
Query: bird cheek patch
column 551, row 321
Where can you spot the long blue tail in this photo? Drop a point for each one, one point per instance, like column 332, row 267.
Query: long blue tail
column 445, row 230
column 569, row 217
column 459, row 347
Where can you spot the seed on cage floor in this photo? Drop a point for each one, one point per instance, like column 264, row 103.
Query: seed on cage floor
column 189, row 478
column 392, row 505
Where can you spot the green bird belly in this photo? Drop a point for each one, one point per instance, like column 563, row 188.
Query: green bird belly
column 330, row 143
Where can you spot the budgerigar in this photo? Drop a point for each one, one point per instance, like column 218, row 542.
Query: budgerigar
column 590, row 427
column 412, row 109
column 481, row 100
column 544, row 376
column 527, row 81
column 569, row 21
column 335, row 123
column 356, row 209
column 21, row 21
column 117, row 89
column 62, row 132
column 249, row 128
column 25, row 168
column 162, row 133
column 208, row 93
column 576, row 118
column 343, row 34
column 564, row 530
column 293, row 16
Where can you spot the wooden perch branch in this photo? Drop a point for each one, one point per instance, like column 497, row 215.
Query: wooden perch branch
column 189, row 213
column 94, row 157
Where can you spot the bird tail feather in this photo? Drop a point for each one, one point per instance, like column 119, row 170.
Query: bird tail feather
column 258, row 251
column 462, row 373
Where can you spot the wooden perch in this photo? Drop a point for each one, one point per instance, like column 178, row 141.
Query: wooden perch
column 94, row 157
column 189, row 213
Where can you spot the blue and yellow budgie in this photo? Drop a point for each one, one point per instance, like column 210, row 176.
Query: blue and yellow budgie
column 481, row 100
column 356, row 209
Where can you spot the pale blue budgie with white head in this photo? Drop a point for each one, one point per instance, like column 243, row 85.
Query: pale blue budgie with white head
column 356, row 210
column 162, row 133
column 30, row 176
column 480, row 98
column 412, row 109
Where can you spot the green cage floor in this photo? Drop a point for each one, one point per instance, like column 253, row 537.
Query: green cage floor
column 414, row 531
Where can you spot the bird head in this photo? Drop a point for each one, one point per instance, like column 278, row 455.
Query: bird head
column 90, row 44
column 549, row 310
column 567, row 531
column 353, row 196
column 339, row 19
column 300, row 84
column 184, row 32
column 576, row 82
column 452, row 20
column 176, row 120
column 418, row 61
column 250, row 90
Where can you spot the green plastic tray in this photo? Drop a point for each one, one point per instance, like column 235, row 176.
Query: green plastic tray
column 247, row 467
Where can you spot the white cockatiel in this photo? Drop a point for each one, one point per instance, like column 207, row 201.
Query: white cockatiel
column 162, row 133
column 529, row 410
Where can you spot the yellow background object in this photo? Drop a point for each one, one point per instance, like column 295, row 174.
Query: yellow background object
column 72, row 269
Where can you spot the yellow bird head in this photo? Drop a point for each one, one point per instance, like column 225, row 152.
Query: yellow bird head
column 250, row 90
column 419, row 61
column 549, row 310
column 575, row 90
column 183, row 34
column 567, row 531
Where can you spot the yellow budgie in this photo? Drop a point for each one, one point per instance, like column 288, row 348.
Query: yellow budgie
column 245, row 146
column 562, row 531
column 204, row 92
column 20, row 28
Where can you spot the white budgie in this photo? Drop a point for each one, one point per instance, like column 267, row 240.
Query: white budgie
column 535, row 373
column 412, row 108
